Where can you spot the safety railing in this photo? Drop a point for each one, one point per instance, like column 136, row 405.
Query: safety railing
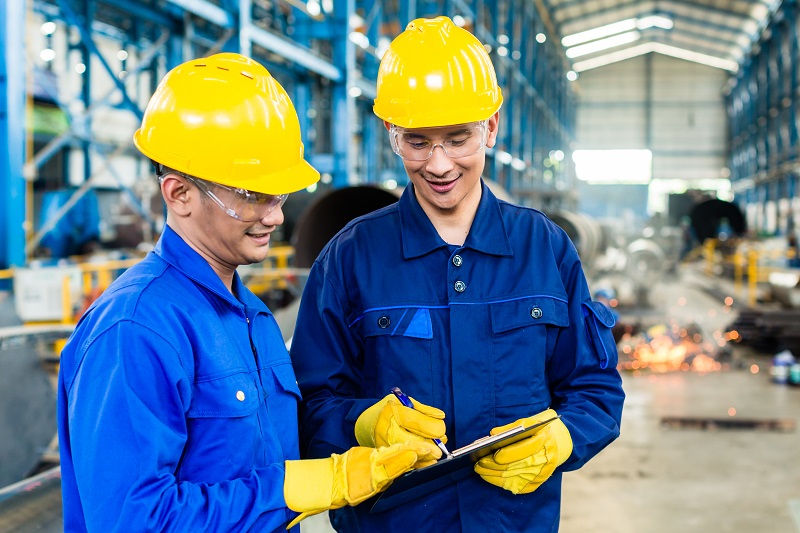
column 751, row 264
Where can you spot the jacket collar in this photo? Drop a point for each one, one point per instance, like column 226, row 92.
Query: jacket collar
column 174, row 250
column 487, row 233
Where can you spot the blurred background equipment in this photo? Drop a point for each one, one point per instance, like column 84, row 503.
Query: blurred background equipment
column 327, row 215
column 717, row 219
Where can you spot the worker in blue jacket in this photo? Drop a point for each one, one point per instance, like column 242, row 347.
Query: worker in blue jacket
column 476, row 308
column 177, row 402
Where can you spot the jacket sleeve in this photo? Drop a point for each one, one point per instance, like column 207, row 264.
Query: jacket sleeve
column 585, row 385
column 328, row 364
column 126, row 399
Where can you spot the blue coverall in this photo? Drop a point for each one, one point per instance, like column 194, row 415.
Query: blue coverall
column 177, row 404
column 498, row 329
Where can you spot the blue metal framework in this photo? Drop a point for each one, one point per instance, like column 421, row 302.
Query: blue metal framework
column 331, row 80
column 762, row 109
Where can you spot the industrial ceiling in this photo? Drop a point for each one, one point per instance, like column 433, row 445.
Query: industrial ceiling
column 719, row 33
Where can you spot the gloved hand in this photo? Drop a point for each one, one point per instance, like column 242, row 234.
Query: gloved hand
column 523, row 466
column 315, row 485
column 390, row 422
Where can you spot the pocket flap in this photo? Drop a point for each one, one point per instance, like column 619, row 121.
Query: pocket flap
column 602, row 313
column 403, row 321
column 231, row 396
column 528, row 311
column 285, row 379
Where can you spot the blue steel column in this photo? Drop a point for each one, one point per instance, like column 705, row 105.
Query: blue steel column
column 86, row 94
column 245, row 44
column 342, row 105
column 372, row 131
column 407, row 12
column 12, row 132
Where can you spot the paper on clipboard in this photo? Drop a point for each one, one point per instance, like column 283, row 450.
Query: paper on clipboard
column 459, row 465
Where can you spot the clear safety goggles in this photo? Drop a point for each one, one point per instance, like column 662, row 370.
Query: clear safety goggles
column 241, row 204
column 413, row 144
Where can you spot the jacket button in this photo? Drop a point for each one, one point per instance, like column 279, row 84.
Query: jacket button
column 536, row 312
column 457, row 261
column 384, row 322
column 460, row 286
column 240, row 395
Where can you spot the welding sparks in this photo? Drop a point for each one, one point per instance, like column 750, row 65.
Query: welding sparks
column 669, row 350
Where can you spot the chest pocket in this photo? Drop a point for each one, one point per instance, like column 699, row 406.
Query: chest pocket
column 523, row 336
column 232, row 396
column 224, row 438
column 397, row 349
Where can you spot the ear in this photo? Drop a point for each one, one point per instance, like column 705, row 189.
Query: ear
column 493, row 126
column 177, row 194
column 387, row 125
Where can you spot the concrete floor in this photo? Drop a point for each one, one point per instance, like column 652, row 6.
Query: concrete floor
column 659, row 480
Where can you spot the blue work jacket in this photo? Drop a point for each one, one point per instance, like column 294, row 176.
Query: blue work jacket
column 495, row 330
column 177, row 404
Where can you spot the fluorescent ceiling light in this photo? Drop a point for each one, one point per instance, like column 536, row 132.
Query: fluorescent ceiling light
column 599, row 33
column 603, row 44
column 652, row 21
column 664, row 49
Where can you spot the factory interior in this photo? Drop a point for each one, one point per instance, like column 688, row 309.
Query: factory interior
column 660, row 135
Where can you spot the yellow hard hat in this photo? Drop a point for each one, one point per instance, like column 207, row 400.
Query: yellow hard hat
column 225, row 119
column 436, row 74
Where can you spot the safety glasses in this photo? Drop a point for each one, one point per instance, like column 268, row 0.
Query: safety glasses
column 461, row 141
column 241, row 204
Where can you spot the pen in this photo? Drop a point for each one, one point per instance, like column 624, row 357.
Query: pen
column 407, row 402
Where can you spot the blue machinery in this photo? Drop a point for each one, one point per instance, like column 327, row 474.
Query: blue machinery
column 325, row 52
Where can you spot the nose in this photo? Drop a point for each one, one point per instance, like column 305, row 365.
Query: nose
column 274, row 217
column 439, row 163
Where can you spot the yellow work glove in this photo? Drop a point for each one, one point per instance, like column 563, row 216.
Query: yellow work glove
column 390, row 422
column 315, row 485
column 523, row 466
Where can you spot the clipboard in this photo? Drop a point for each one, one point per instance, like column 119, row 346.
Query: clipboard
column 459, row 465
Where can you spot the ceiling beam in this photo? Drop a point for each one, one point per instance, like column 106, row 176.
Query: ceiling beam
column 657, row 5
column 724, row 28
column 561, row 6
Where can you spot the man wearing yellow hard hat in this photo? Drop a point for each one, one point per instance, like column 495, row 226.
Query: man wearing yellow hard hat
column 177, row 402
column 475, row 307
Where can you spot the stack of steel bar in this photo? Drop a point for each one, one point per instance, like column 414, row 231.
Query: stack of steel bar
column 769, row 331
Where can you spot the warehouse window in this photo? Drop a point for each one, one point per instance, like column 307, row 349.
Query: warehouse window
column 613, row 166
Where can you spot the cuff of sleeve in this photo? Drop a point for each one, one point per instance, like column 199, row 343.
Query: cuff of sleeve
column 308, row 484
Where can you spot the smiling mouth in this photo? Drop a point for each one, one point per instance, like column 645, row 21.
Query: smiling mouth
column 258, row 235
column 442, row 186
